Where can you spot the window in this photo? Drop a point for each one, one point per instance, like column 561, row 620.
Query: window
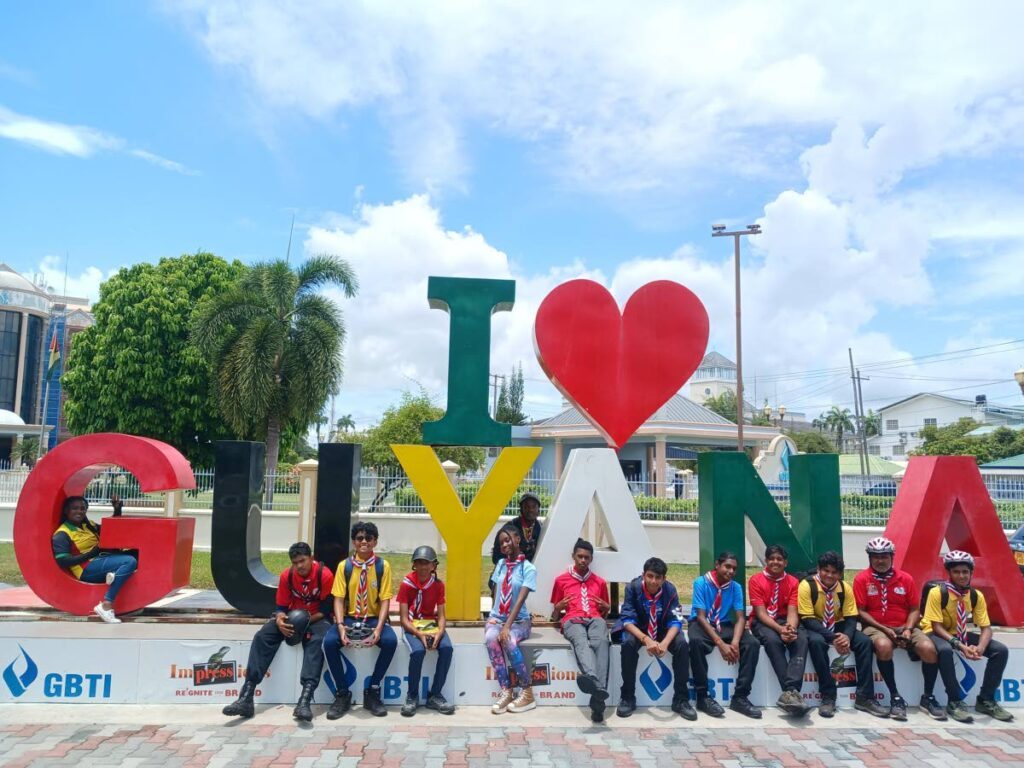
column 897, row 450
column 875, row 450
column 931, row 422
column 892, row 424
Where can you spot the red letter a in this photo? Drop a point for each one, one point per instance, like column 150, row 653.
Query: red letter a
column 945, row 497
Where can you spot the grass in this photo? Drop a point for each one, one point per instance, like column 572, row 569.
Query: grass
column 201, row 578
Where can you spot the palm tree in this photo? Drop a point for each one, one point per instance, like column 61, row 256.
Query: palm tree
column 838, row 421
column 872, row 424
column 275, row 346
column 345, row 423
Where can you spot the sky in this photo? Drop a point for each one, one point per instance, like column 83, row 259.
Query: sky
column 881, row 153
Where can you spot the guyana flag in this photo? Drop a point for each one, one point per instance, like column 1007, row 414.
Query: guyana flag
column 54, row 354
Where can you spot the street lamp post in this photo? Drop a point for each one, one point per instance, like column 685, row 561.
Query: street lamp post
column 718, row 230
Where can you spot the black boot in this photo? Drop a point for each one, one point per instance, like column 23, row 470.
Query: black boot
column 372, row 702
column 341, row 704
column 302, row 709
column 243, row 706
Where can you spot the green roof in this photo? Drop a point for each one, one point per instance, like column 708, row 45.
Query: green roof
column 849, row 464
column 1010, row 462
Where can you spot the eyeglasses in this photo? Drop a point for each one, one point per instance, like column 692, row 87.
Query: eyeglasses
column 362, row 538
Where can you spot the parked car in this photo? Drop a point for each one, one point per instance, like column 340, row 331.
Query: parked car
column 1017, row 545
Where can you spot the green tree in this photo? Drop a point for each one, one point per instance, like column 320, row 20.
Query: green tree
column 510, row 398
column 274, row 344
column 345, row 423
column 837, row 421
column 724, row 405
column 811, row 442
column 136, row 371
column 25, row 451
column 872, row 424
column 953, row 440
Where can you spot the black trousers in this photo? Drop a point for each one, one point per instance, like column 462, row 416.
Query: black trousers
column 701, row 645
column 863, row 652
column 996, row 653
column 789, row 671
column 269, row 638
column 630, row 655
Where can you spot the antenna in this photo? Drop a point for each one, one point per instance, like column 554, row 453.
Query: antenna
column 288, row 253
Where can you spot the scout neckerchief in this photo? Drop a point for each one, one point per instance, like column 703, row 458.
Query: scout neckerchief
column 883, row 586
column 363, row 591
column 652, row 611
column 961, row 611
column 773, row 601
column 584, row 594
column 505, row 596
column 829, row 613
column 412, row 580
column 715, row 611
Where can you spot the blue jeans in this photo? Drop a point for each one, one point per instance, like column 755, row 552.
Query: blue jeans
column 416, row 655
column 96, row 570
column 387, row 645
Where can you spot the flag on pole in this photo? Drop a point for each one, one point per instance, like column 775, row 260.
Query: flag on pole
column 54, row 354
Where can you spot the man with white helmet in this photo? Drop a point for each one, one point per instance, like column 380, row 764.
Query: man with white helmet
column 888, row 607
column 946, row 612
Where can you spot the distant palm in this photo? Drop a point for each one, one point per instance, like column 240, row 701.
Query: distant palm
column 275, row 346
column 345, row 423
column 838, row 421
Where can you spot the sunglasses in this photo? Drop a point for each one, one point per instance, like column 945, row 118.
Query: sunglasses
column 363, row 538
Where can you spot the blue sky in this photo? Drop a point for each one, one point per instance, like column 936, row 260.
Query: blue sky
column 542, row 143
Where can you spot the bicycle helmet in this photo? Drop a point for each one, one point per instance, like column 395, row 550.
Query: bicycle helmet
column 880, row 546
column 358, row 634
column 958, row 557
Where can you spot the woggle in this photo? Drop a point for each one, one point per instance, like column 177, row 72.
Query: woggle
column 619, row 369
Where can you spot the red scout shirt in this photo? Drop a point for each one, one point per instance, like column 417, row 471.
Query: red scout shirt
column 433, row 596
column 901, row 597
column 294, row 592
column 760, row 589
column 580, row 607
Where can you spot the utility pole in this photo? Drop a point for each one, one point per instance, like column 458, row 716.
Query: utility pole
column 718, row 230
column 495, row 377
column 857, row 416
column 864, row 433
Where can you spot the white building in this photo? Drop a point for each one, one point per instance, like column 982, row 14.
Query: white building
column 901, row 422
column 717, row 374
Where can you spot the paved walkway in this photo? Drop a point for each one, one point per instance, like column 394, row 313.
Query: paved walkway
column 199, row 736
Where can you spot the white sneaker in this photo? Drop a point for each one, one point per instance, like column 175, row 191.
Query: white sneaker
column 110, row 578
column 107, row 616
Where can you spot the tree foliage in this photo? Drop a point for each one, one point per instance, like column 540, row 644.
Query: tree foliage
column 811, row 442
column 403, row 424
column 953, row 440
column 510, row 399
column 275, row 346
column 724, row 405
column 838, row 422
column 136, row 371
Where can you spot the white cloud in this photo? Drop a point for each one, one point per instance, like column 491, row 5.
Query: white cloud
column 82, row 284
column 75, row 140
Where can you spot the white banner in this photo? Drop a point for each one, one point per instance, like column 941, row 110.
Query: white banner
column 69, row 670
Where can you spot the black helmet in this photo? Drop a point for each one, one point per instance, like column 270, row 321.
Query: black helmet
column 527, row 497
column 424, row 553
column 299, row 619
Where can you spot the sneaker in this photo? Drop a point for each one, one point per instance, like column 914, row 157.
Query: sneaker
column 505, row 698
column 742, row 705
column 627, row 706
column 588, row 684
column 870, row 706
column 958, row 711
column 709, row 706
column 107, row 615
column 439, row 703
column 524, row 701
column 898, row 708
column 792, row 703
column 932, row 708
column 372, row 702
column 109, row 578
column 827, row 708
column 342, row 703
column 992, row 709
column 412, row 703
column 681, row 705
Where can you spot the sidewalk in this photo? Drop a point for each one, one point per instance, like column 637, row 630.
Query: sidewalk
column 200, row 736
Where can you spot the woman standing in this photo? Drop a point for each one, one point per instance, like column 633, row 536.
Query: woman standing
column 509, row 623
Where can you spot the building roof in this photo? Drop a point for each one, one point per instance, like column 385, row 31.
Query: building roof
column 849, row 464
column 715, row 360
column 10, row 418
column 1010, row 462
column 678, row 409
column 988, row 429
column 1005, row 410
column 11, row 280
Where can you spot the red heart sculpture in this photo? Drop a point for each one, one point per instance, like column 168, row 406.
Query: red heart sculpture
column 619, row 369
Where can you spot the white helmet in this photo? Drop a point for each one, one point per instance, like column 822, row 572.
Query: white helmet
column 880, row 546
column 958, row 557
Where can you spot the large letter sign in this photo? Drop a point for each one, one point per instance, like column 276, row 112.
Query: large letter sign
column 945, row 497
column 592, row 476
column 731, row 492
column 464, row 530
column 619, row 369
column 470, row 302
column 164, row 544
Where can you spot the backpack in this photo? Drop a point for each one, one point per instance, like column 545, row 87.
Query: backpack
column 814, row 592
column 944, row 592
column 378, row 566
